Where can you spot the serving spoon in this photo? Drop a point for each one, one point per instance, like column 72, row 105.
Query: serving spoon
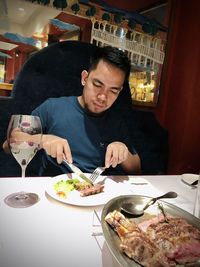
column 134, row 209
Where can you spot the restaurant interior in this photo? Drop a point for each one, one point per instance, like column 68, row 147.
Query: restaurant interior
column 165, row 84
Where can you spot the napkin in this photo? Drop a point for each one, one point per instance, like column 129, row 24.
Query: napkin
column 189, row 178
column 140, row 186
column 138, row 181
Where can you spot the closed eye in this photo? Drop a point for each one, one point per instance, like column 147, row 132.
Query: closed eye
column 97, row 84
column 115, row 91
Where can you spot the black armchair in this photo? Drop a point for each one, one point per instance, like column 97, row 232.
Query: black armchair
column 55, row 71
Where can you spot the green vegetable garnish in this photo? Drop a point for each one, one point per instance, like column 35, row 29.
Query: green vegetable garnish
column 65, row 186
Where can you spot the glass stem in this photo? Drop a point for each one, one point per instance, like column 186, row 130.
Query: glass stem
column 22, row 195
column 23, row 171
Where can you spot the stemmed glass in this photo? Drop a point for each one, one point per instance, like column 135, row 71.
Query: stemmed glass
column 24, row 136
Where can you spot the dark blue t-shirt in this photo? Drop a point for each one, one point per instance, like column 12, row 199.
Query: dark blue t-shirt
column 87, row 135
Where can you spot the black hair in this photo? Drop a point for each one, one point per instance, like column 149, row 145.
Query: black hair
column 113, row 56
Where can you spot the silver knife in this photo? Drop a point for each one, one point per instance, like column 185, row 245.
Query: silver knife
column 77, row 171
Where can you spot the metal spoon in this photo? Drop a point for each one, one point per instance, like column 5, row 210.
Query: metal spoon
column 134, row 209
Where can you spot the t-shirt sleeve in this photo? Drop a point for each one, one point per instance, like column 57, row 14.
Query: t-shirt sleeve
column 42, row 111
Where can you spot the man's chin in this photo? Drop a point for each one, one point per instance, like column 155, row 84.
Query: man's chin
column 95, row 111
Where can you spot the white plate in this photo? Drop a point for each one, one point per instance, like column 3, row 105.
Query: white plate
column 189, row 178
column 74, row 197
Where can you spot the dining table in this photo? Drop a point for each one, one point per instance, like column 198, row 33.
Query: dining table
column 53, row 233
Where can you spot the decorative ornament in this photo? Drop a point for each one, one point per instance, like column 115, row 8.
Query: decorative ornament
column 60, row 3
column 75, row 8
column 117, row 18
column 146, row 27
column 93, row 20
column 88, row 12
column 132, row 24
column 106, row 17
column 91, row 11
column 149, row 28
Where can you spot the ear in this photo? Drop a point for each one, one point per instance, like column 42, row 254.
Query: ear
column 84, row 75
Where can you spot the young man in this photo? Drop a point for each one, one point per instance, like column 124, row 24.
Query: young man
column 87, row 130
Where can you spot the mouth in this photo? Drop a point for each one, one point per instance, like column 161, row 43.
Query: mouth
column 98, row 105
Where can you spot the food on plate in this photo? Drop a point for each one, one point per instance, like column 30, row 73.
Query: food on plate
column 95, row 189
column 82, row 185
column 160, row 243
column 179, row 240
column 135, row 243
column 64, row 187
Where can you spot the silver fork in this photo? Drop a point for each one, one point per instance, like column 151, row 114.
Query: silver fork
column 96, row 173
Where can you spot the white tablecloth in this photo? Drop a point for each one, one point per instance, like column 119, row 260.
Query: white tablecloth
column 54, row 234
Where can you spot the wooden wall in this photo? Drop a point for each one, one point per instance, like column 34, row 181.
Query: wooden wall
column 84, row 24
column 14, row 64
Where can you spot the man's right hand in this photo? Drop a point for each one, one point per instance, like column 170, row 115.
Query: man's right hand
column 56, row 147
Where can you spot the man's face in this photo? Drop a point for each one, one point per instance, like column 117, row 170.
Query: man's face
column 101, row 87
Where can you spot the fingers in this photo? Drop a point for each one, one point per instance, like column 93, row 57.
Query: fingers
column 57, row 147
column 67, row 153
column 108, row 157
column 116, row 153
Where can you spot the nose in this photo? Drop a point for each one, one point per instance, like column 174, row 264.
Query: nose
column 102, row 96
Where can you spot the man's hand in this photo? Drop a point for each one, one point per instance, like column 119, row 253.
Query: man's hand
column 118, row 153
column 6, row 147
column 17, row 135
column 57, row 147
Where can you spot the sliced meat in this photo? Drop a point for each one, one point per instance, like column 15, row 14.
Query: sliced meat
column 157, row 242
column 140, row 248
column 82, row 185
column 187, row 252
column 178, row 239
column 135, row 243
column 97, row 188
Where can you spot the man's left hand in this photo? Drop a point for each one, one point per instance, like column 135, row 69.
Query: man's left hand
column 116, row 153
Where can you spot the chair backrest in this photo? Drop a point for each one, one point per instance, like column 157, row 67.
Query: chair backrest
column 52, row 72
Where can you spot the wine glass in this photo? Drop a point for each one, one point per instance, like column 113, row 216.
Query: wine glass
column 24, row 137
